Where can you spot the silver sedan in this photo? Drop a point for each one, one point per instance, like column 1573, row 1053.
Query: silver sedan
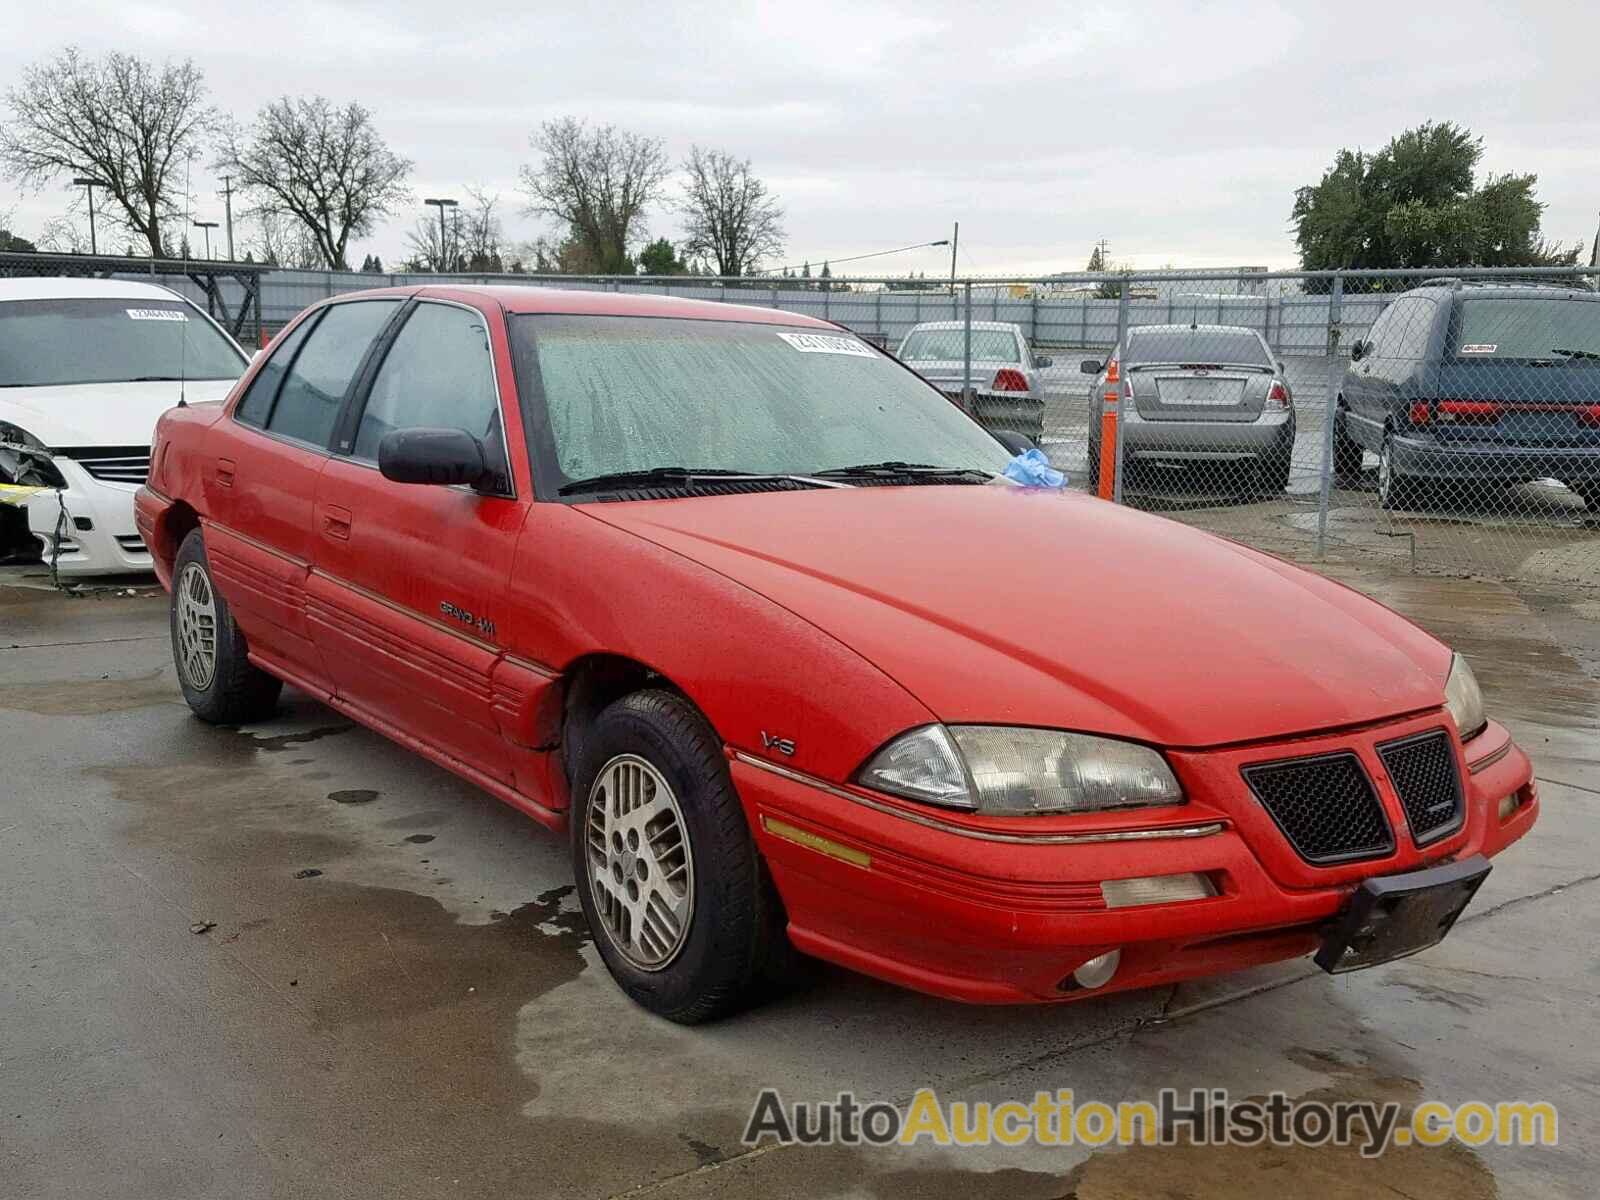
column 1008, row 390
column 1198, row 397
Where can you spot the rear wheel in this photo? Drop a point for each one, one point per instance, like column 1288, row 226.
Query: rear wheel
column 1590, row 491
column 1272, row 473
column 671, row 883
column 218, row 679
column 1395, row 490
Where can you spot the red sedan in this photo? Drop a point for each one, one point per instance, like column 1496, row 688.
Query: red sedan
column 747, row 606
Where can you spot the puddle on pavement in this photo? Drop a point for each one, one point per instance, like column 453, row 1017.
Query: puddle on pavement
column 92, row 697
column 387, row 1023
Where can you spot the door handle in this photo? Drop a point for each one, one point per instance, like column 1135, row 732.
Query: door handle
column 336, row 522
column 225, row 472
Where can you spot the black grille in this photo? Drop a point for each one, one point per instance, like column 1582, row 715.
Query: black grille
column 1325, row 806
column 1423, row 771
column 114, row 464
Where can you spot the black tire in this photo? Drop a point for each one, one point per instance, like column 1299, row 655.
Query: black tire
column 1272, row 473
column 237, row 690
column 734, row 946
column 1094, row 466
column 1589, row 491
column 1347, row 453
column 1395, row 490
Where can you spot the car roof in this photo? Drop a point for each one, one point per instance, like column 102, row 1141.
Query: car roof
column 1011, row 325
column 519, row 298
column 1471, row 290
column 67, row 287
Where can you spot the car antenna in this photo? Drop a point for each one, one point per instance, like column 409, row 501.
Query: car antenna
column 183, row 333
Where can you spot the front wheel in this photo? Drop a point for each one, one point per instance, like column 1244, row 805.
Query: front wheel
column 669, row 877
column 218, row 679
column 1347, row 453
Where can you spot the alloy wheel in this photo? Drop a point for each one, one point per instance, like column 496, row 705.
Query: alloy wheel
column 641, row 866
column 197, row 627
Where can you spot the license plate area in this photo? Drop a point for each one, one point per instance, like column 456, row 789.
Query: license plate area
column 1397, row 915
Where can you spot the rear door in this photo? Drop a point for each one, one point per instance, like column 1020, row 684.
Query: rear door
column 260, row 482
column 409, row 581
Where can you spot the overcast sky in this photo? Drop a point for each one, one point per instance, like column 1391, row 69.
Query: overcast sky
column 1177, row 132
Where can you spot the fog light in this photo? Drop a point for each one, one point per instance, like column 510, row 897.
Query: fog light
column 1156, row 889
column 1097, row 972
column 1508, row 805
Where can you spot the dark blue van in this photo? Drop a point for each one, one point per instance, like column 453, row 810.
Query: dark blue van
column 1460, row 388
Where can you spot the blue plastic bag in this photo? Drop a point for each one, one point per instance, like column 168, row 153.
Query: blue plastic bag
column 1032, row 469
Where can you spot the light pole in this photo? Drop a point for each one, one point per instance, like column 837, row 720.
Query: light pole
column 208, row 226
column 88, row 184
column 955, row 243
column 441, row 204
column 227, row 202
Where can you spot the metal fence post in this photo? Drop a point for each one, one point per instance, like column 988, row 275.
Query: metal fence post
column 1122, row 349
column 1330, row 410
column 966, row 351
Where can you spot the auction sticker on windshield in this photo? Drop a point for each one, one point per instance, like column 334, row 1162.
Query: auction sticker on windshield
column 155, row 314
column 1480, row 348
column 823, row 343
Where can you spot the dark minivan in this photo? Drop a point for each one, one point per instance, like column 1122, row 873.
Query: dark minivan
column 1459, row 388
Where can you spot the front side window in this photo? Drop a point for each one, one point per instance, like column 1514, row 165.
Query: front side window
column 314, row 388
column 437, row 374
column 1529, row 328
column 933, row 345
column 632, row 393
column 59, row 343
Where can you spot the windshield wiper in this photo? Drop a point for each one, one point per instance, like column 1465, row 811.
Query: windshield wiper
column 894, row 469
column 1574, row 353
column 667, row 476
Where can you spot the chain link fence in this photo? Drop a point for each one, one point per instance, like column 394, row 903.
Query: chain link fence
column 1438, row 421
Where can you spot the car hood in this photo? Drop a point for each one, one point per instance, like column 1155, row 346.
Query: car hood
column 1015, row 606
column 100, row 414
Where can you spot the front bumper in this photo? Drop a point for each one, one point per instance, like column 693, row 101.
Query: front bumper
column 990, row 911
column 1431, row 459
column 97, row 535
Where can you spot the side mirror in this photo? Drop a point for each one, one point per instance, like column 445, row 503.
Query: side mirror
column 1017, row 443
column 1043, row 360
column 1358, row 350
column 1090, row 366
column 431, row 456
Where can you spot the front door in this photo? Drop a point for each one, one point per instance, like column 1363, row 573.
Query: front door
column 409, row 580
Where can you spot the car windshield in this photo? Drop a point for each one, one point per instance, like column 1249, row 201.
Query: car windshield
column 45, row 343
column 1529, row 328
column 1198, row 345
column 990, row 345
column 635, row 393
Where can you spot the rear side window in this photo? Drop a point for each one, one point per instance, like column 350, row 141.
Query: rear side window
column 257, row 402
column 314, row 388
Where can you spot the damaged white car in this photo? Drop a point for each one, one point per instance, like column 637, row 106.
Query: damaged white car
column 86, row 367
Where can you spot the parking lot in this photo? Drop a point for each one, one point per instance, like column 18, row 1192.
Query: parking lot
column 391, row 991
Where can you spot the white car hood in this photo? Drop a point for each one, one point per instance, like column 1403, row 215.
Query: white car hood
column 100, row 414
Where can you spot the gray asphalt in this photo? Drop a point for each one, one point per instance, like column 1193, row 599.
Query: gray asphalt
column 398, row 998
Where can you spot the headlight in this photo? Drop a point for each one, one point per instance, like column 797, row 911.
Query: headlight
column 1007, row 771
column 1464, row 700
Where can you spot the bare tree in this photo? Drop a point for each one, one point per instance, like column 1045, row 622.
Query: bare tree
column 469, row 241
column 730, row 217
column 281, row 241
column 327, row 167
column 597, row 183
column 118, row 119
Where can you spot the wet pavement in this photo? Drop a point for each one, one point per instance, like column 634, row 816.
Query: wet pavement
column 398, row 997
